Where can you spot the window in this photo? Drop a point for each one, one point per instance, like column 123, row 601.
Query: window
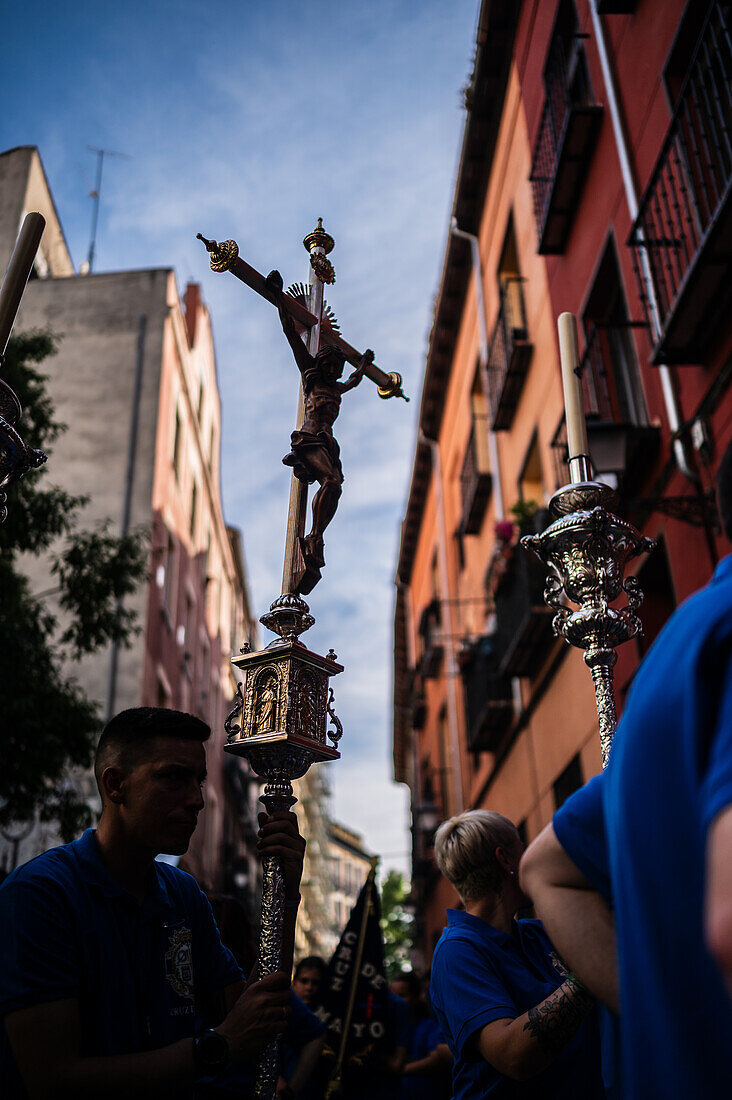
column 444, row 776
column 169, row 591
column 569, row 781
column 475, row 474
column 565, row 75
column 509, row 283
column 194, row 506
column 610, row 371
column 531, row 479
column 682, row 49
column 177, row 431
column 163, row 695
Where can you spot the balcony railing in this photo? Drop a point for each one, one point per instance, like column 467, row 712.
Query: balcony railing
column 682, row 236
column 523, row 620
column 508, row 356
column 618, row 443
column 488, row 697
column 475, row 478
column 570, row 123
column 595, row 378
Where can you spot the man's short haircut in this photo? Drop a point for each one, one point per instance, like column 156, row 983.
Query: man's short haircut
column 724, row 491
column 126, row 738
column 465, row 850
column 311, row 962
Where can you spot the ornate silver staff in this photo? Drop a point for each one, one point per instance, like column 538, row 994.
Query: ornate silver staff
column 15, row 458
column 285, row 701
column 586, row 550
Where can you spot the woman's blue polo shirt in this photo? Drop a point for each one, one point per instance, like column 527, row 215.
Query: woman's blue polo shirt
column 480, row 974
column 139, row 972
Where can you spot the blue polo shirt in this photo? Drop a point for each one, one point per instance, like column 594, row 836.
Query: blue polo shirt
column 426, row 1035
column 480, row 974
column 579, row 825
column 68, row 930
column 670, row 774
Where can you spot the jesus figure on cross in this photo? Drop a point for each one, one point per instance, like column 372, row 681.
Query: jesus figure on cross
column 315, row 454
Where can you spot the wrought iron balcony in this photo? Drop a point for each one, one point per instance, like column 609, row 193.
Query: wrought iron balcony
column 488, row 697
column 508, row 356
column 475, row 478
column 618, row 444
column 682, row 237
column 523, row 620
column 570, row 123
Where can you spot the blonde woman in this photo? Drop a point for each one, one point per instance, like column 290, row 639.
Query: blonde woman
column 517, row 1023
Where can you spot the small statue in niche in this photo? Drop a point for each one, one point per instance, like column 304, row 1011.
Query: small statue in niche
column 266, row 705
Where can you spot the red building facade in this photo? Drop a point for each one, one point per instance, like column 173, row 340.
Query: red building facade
column 594, row 177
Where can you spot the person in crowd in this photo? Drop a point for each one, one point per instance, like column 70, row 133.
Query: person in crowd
column 426, row 1074
column 107, row 956
column 509, row 1010
column 633, row 878
column 309, row 975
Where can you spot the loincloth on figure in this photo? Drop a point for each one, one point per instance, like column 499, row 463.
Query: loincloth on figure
column 302, row 443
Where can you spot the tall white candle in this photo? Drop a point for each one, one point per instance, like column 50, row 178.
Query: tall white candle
column 17, row 273
column 573, row 406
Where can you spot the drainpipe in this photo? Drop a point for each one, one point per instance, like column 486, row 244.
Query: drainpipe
column 451, row 664
column 673, row 411
column 483, row 359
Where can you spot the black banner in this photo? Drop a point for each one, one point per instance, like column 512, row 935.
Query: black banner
column 358, row 962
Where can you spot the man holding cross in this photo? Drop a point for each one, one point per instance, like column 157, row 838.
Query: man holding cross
column 113, row 978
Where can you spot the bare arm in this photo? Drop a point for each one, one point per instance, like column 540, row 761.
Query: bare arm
column 306, row 1063
column 355, row 378
column 579, row 922
column 303, row 358
column 522, row 1047
column 395, row 1062
column 718, row 899
column 439, row 1058
column 46, row 1043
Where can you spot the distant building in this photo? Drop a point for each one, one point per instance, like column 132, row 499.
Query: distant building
column 135, row 381
column 350, row 864
column 595, row 176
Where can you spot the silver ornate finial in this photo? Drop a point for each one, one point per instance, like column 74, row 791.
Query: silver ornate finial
column 587, row 549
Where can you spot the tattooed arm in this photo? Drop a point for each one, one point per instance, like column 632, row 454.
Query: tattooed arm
column 523, row 1047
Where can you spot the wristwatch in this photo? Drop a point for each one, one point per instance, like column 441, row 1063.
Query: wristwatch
column 210, row 1051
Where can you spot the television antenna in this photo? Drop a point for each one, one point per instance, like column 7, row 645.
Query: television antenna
column 95, row 195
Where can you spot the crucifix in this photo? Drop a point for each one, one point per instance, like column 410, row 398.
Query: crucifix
column 284, row 705
column 320, row 354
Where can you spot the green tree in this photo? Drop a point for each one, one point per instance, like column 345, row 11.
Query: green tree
column 396, row 924
column 48, row 725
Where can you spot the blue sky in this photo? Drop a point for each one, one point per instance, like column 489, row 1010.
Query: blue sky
column 250, row 120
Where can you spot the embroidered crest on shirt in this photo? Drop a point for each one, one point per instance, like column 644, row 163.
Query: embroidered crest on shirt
column 179, row 962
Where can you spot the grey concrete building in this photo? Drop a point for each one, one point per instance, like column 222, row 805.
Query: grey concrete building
column 134, row 380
